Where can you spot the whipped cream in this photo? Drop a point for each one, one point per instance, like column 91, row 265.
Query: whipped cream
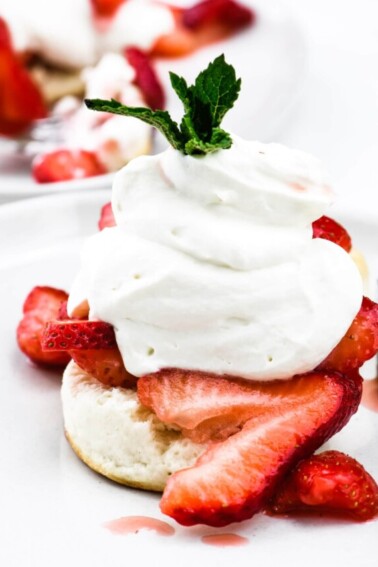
column 67, row 34
column 212, row 265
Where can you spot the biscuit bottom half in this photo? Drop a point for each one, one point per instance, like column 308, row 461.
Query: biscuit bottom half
column 112, row 433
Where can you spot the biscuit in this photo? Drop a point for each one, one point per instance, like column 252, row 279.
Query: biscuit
column 112, row 433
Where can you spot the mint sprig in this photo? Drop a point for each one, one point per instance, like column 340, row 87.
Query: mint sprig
column 205, row 104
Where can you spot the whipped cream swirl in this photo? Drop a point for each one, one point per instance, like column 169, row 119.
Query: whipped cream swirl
column 212, row 265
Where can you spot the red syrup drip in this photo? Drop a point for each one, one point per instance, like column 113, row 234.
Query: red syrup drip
column 370, row 394
column 224, row 540
column 133, row 524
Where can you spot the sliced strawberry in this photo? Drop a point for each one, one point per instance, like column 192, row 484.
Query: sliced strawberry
column 105, row 365
column 41, row 305
column 78, row 335
column 106, row 8
column 146, row 78
column 62, row 313
column 360, row 342
column 106, row 217
column 234, row 478
column 207, row 12
column 93, row 347
column 330, row 483
column 20, row 99
column 63, row 165
column 331, row 230
column 206, row 406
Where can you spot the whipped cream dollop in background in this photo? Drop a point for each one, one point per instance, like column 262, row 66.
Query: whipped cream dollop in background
column 212, row 265
column 66, row 33
column 115, row 139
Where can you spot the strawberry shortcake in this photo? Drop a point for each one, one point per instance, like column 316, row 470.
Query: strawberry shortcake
column 217, row 325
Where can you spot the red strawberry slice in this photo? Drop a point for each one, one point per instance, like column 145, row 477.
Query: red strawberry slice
column 234, row 478
column 105, row 365
column 92, row 346
column 207, row 12
column 330, row 483
column 41, row 305
column 106, row 8
column 331, row 230
column 20, row 99
column 78, row 335
column 210, row 407
column 146, row 78
column 63, row 165
column 360, row 342
column 106, row 217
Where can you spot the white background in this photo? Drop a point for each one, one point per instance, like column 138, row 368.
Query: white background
column 336, row 116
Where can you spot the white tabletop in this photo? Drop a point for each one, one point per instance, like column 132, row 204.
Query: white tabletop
column 336, row 117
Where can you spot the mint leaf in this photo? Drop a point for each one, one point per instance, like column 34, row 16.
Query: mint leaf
column 160, row 119
column 180, row 87
column 217, row 86
column 220, row 140
column 205, row 103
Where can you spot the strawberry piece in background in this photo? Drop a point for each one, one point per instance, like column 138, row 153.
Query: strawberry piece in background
column 20, row 99
column 106, row 8
column 360, row 342
column 41, row 305
column 106, row 217
column 63, row 165
column 146, row 78
column 330, row 483
column 329, row 229
column 202, row 24
column 225, row 12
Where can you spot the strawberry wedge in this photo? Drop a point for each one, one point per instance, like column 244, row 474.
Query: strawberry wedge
column 330, row 483
column 235, row 477
column 42, row 304
column 329, row 229
column 92, row 345
column 360, row 342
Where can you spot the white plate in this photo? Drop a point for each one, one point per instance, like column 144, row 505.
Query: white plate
column 52, row 506
column 270, row 58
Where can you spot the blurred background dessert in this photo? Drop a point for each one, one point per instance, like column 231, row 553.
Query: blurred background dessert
column 54, row 54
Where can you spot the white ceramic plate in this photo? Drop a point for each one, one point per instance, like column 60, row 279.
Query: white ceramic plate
column 52, row 506
column 270, row 57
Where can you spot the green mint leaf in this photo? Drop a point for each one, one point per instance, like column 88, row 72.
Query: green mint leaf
column 205, row 103
column 197, row 121
column 217, row 86
column 160, row 119
column 220, row 140
column 180, row 87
